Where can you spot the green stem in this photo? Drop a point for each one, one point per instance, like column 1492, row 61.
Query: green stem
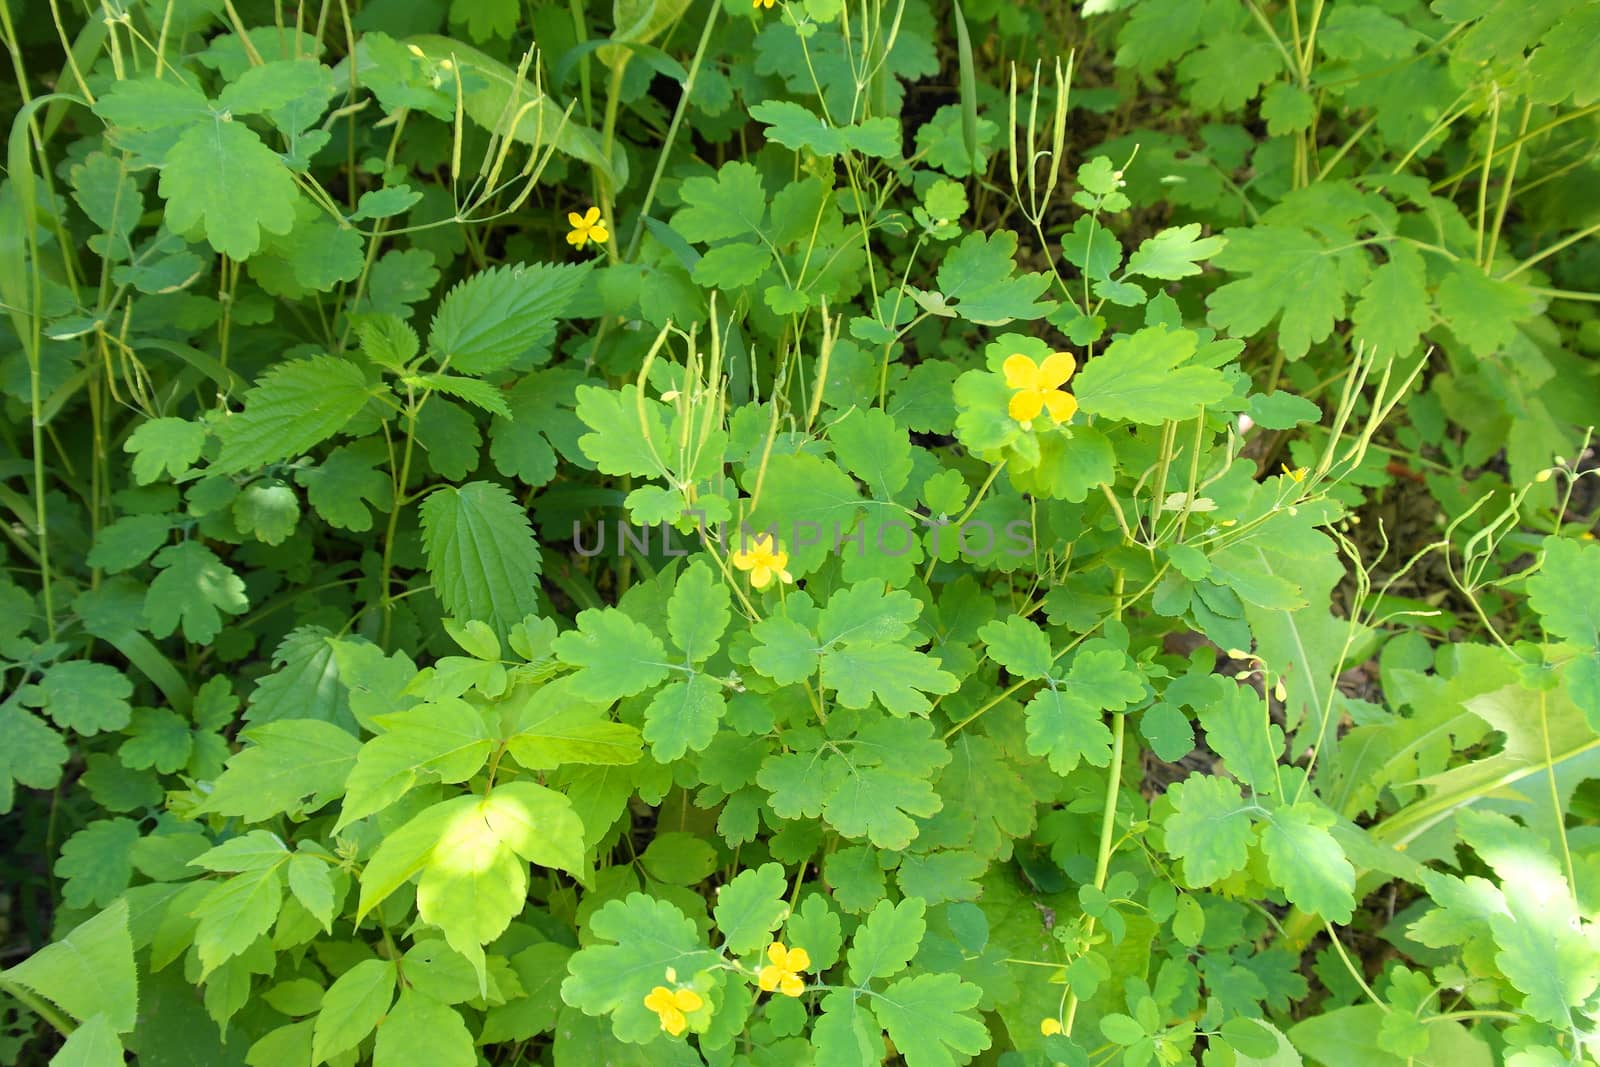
column 38, row 1006
column 1108, row 820
column 672, row 128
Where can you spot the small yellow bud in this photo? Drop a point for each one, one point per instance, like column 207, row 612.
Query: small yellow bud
column 1048, row 1026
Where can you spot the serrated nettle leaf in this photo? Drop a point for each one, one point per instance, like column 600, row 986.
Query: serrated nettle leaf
column 502, row 316
column 88, row 973
column 295, row 406
column 482, row 555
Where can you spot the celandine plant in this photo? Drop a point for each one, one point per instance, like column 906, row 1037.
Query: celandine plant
column 1100, row 567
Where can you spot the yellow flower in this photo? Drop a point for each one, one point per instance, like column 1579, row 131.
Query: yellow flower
column 671, row 1004
column 1038, row 386
column 1296, row 474
column 587, row 227
column 758, row 4
column 763, row 559
column 1048, row 1026
column 783, row 973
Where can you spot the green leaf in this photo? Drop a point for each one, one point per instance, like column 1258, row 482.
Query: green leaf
column 888, row 939
column 164, row 446
column 1019, row 646
column 554, row 727
column 731, row 204
column 129, row 541
column 885, row 781
column 1545, row 948
column 795, row 126
column 236, row 912
column 931, row 1020
column 151, row 104
column 976, row 279
column 94, row 1044
column 1287, row 272
column 466, row 850
column 1238, row 729
column 481, row 553
column 1287, row 109
column 503, row 315
column 337, row 486
column 616, row 656
column 386, row 203
column 311, row 882
column 805, row 497
column 684, row 717
column 1210, row 829
column 816, row 928
column 157, row 738
column 82, row 696
column 1144, row 378
column 1174, row 253
column 697, row 614
column 1307, row 863
column 220, row 179
column 619, row 443
column 268, row 511
column 111, row 199
column 732, row 266
column 873, row 448
column 194, row 589
column 646, row 937
column 305, row 684
column 1562, row 67
column 291, row 765
column 295, row 406
column 352, row 1007
column 847, row 1034
column 292, row 92
column 750, row 907
column 1065, row 718
column 419, row 1029
column 1392, row 312
column 1560, row 594
column 97, row 862
column 898, row 677
column 446, row 740
column 479, row 394
column 89, row 972
column 939, row 877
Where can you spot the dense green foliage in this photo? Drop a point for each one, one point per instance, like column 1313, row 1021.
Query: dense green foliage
column 695, row 533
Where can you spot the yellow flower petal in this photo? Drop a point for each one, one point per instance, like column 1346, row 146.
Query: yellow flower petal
column 576, row 238
column 1062, row 406
column 769, row 977
column 760, row 576
column 673, row 1022
column 688, row 1000
column 1026, row 405
column 778, row 954
column 1055, row 370
column 791, row 986
column 659, row 999
column 574, row 219
column 1020, row 371
column 591, row 216
column 799, row 959
column 600, row 233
